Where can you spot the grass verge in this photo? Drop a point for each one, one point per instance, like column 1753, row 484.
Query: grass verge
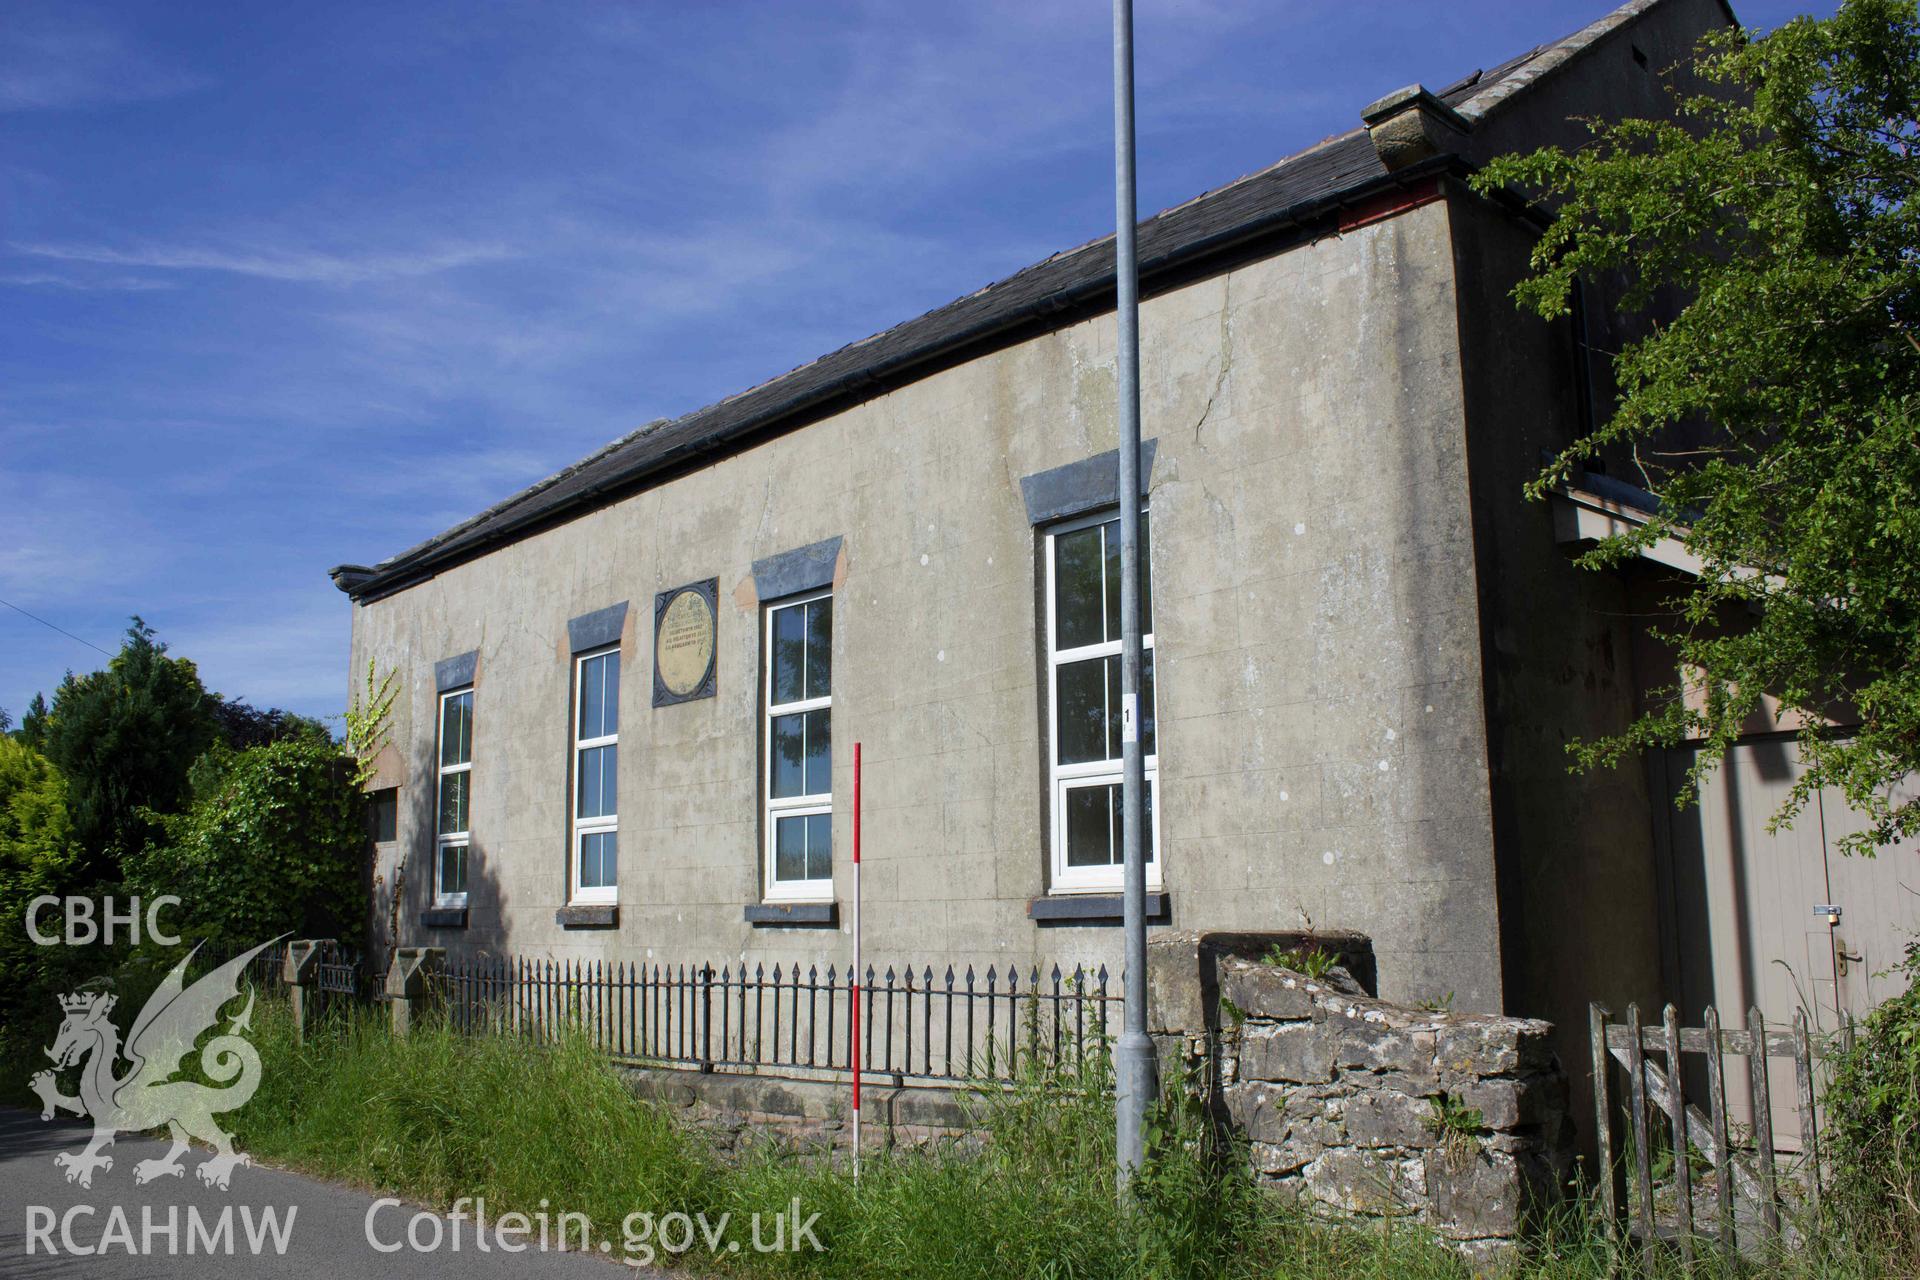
column 439, row 1116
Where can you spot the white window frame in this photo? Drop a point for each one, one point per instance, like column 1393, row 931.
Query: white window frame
column 443, row 840
column 583, row 827
column 772, row 810
column 1063, row 778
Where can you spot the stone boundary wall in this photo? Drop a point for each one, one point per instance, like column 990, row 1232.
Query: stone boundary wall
column 1455, row 1121
column 740, row 1109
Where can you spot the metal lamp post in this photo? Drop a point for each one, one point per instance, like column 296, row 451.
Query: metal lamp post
column 1134, row 1064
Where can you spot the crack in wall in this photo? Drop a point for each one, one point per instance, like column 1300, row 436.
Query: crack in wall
column 1226, row 356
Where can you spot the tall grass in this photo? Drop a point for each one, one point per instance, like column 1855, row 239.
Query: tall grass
column 439, row 1116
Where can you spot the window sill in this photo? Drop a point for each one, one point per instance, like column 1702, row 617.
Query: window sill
column 444, row 918
column 588, row 915
column 1095, row 908
column 818, row 915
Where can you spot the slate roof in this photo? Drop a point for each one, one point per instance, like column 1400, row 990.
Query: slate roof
column 1297, row 194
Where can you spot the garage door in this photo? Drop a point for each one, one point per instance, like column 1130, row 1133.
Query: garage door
column 1748, row 909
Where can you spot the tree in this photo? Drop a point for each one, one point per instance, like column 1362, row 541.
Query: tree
column 125, row 738
column 278, row 847
column 1777, row 415
column 33, row 725
column 37, row 856
column 242, row 725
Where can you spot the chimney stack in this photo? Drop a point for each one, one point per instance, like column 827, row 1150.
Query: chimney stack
column 1410, row 125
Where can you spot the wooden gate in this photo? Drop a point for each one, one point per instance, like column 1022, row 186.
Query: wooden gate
column 1753, row 1192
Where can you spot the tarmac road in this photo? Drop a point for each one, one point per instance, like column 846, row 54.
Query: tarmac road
column 324, row 1226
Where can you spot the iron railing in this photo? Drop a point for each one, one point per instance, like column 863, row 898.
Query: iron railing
column 266, row 970
column 956, row 1026
column 340, row 973
column 343, row 974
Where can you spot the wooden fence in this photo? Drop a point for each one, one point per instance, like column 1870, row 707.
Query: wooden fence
column 1754, row 1191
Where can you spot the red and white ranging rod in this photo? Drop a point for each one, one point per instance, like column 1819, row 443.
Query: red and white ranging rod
column 854, row 1021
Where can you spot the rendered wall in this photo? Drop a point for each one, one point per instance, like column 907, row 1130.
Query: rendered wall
column 1320, row 701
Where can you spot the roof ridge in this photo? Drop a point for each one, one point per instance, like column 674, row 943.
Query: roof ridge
column 1545, row 59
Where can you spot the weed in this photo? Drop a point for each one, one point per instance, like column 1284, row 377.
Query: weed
column 1314, row 962
column 1458, row 1127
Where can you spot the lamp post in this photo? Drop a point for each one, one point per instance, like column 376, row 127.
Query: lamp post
column 1134, row 1065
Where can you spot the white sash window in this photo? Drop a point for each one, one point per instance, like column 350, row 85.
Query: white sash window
column 1083, row 693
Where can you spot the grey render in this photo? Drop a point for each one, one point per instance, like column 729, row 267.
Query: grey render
column 1370, row 649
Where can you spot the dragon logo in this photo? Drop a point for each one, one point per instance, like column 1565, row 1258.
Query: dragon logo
column 146, row 1096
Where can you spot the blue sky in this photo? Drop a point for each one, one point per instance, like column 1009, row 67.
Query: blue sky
column 283, row 286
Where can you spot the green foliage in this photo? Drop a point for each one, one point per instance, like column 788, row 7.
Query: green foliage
column 1777, row 416
column 1873, row 1113
column 1436, row 1004
column 243, row 725
column 37, row 856
column 1314, row 962
column 1458, row 1127
column 370, row 724
column 33, row 725
column 440, row 1115
column 275, row 846
column 124, row 739
column 1450, row 1115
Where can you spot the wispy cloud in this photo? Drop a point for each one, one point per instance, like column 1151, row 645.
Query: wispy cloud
column 909, row 108
column 65, row 535
column 298, row 265
column 55, row 57
column 101, row 284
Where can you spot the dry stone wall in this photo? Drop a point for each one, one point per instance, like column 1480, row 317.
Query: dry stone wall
column 1455, row 1121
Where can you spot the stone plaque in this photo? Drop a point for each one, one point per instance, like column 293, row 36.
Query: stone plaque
column 685, row 623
